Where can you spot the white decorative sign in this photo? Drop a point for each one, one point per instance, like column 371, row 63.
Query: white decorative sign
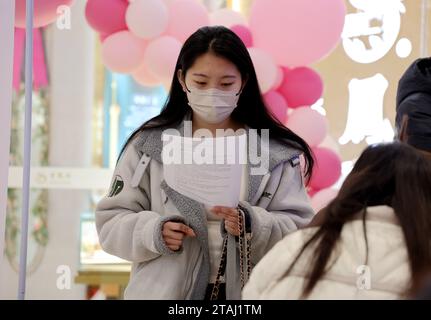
column 365, row 114
column 371, row 32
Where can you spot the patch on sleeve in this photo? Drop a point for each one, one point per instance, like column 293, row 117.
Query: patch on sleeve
column 117, row 186
column 267, row 195
column 295, row 161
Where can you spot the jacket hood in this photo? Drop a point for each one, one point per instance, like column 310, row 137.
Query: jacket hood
column 414, row 100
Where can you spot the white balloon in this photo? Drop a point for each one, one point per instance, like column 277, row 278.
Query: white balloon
column 147, row 18
column 227, row 17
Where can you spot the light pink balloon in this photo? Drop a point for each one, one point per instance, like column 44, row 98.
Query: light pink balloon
column 280, row 78
column 322, row 198
column 330, row 143
column 266, row 68
column 147, row 18
column 227, row 17
column 297, row 32
column 106, row 16
column 309, row 125
column 277, row 105
column 185, row 17
column 167, row 86
column 45, row 12
column 161, row 57
column 327, row 170
column 123, row 52
column 301, row 87
column 244, row 33
column 144, row 77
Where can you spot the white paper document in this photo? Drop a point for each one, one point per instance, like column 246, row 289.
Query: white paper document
column 207, row 170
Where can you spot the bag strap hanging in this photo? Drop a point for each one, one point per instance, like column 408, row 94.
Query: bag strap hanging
column 244, row 240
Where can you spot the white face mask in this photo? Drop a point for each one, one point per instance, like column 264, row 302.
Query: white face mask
column 212, row 105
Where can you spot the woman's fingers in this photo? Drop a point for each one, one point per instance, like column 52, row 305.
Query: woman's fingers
column 174, row 248
column 226, row 213
column 173, row 242
column 173, row 234
column 230, row 216
column 232, row 228
column 231, row 225
column 225, row 210
column 179, row 228
column 232, row 219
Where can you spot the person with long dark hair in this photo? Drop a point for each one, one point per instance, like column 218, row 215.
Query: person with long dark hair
column 176, row 243
column 373, row 241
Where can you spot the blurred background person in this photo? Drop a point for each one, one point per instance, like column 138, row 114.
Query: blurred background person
column 374, row 238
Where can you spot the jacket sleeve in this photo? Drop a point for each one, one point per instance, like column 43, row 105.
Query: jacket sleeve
column 288, row 210
column 271, row 269
column 262, row 275
column 126, row 226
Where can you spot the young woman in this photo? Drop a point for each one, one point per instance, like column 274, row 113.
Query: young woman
column 373, row 241
column 174, row 242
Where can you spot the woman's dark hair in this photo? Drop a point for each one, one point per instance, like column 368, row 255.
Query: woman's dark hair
column 395, row 175
column 251, row 108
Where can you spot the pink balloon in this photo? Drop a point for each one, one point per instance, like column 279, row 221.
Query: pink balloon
column 266, row 69
column 297, row 32
column 309, row 125
column 301, row 87
column 123, row 52
column 244, row 33
column 45, row 12
column 161, row 57
column 106, row 16
column 311, row 192
column 103, row 36
column 322, row 198
column 277, row 105
column 327, row 170
column 227, row 17
column 186, row 16
column 167, row 2
column 147, row 18
column 144, row 77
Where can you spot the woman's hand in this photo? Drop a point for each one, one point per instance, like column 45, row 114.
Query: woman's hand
column 231, row 217
column 174, row 234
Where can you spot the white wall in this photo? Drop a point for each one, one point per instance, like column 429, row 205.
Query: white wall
column 71, row 59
